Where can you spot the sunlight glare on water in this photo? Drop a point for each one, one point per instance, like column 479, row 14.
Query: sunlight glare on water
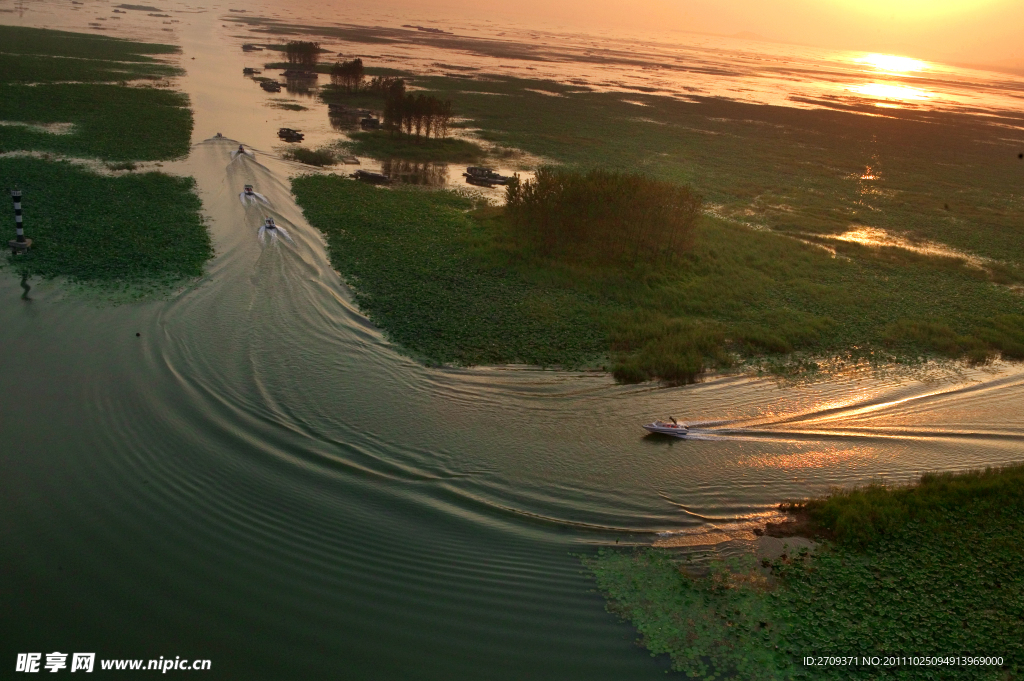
column 891, row 63
column 890, row 91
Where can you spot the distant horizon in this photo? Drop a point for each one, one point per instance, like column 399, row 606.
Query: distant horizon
column 964, row 32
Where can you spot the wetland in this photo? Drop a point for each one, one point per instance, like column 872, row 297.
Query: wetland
column 332, row 451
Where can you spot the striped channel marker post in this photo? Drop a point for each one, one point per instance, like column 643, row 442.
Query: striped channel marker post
column 19, row 244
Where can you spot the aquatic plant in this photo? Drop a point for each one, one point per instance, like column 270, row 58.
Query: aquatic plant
column 937, row 576
column 381, row 145
column 159, row 121
column 312, row 157
column 152, row 229
column 20, row 40
column 408, row 255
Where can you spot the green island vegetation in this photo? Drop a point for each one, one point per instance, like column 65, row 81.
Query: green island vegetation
column 287, row 105
column 931, row 569
column 312, row 157
column 722, row 293
column 384, row 145
column 409, row 256
column 153, row 230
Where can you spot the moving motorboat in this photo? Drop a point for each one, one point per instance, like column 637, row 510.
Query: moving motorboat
column 673, row 428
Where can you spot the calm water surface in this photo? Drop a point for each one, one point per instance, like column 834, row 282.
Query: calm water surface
column 259, row 479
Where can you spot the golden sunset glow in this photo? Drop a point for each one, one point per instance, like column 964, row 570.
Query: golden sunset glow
column 916, row 9
column 891, row 63
column 890, row 91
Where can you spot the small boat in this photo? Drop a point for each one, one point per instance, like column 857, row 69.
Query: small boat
column 270, row 85
column 249, row 47
column 370, row 123
column 479, row 181
column 674, row 428
column 486, row 174
column 372, row 178
column 249, row 71
column 290, row 135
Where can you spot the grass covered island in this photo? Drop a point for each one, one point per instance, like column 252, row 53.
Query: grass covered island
column 382, row 144
column 823, row 232
column 153, row 232
column 927, row 570
column 454, row 282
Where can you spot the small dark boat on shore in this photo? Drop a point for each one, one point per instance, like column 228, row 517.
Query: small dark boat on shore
column 485, row 175
column 248, row 47
column 479, row 181
column 290, row 135
column 249, row 71
column 271, row 85
column 370, row 177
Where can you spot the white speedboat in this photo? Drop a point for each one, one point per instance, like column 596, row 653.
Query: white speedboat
column 662, row 428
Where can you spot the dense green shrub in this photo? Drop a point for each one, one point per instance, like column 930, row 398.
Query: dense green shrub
column 602, row 215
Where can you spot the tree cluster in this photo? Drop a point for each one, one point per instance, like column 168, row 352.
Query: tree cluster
column 386, row 86
column 302, row 53
column 348, row 74
column 419, row 114
column 602, row 215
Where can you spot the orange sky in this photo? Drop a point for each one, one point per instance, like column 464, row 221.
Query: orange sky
column 979, row 31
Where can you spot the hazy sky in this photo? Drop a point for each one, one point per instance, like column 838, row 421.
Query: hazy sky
column 988, row 31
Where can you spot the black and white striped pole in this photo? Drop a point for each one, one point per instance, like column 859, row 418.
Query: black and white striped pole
column 20, row 244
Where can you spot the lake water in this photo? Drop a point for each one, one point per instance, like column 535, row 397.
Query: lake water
column 261, row 480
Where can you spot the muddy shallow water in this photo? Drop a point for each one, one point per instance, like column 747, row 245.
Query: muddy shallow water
column 259, row 479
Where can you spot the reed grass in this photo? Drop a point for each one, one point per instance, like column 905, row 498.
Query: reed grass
column 600, row 215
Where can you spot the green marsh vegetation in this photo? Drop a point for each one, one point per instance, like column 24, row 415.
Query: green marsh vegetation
column 784, row 176
column 102, row 113
column 111, row 122
column 731, row 293
column 602, row 216
column 383, row 145
column 91, row 228
column 929, row 569
column 312, row 157
column 107, row 230
column 408, row 254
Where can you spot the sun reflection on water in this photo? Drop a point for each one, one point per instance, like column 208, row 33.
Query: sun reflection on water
column 892, row 63
column 890, row 91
